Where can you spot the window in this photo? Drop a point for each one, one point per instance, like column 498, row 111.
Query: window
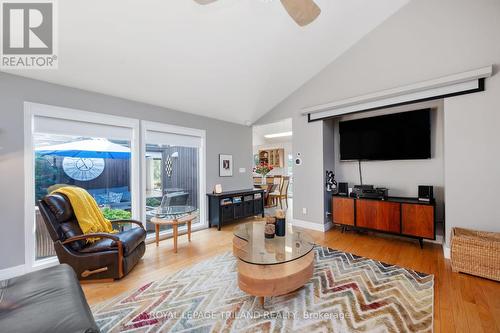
column 103, row 154
column 77, row 148
column 173, row 171
column 99, row 165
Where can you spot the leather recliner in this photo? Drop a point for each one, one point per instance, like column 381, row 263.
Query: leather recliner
column 111, row 256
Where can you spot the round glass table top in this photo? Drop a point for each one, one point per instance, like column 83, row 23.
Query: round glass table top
column 269, row 251
column 173, row 210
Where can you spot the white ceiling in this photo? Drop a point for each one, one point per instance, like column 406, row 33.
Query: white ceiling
column 232, row 60
column 258, row 132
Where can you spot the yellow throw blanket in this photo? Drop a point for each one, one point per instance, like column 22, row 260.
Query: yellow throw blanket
column 87, row 212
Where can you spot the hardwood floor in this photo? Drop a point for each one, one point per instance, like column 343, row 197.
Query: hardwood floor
column 463, row 303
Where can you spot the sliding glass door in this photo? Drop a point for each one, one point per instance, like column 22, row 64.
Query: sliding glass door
column 76, row 148
column 173, row 172
column 99, row 165
column 130, row 167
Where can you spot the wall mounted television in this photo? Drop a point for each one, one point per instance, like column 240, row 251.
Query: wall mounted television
column 398, row 136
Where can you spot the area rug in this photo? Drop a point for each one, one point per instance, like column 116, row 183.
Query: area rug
column 347, row 293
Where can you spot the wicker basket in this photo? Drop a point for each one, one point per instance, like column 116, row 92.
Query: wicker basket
column 476, row 253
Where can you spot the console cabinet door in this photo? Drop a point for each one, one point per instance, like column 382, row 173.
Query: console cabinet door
column 343, row 210
column 418, row 220
column 227, row 212
column 378, row 215
column 257, row 203
column 238, row 210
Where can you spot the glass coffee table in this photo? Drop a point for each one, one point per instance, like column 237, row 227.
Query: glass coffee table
column 274, row 266
column 174, row 216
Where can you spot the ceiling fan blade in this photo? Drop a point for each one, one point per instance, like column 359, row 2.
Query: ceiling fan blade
column 302, row 11
column 204, row 2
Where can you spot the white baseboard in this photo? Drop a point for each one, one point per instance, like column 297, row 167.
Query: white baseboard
column 328, row 226
column 438, row 240
column 312, row 225
column 446, row 251
column 11, row 272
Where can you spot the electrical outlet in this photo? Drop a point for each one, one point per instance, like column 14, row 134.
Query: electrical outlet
column 304, row 211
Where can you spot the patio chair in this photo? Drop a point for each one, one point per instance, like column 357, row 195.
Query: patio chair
column 175, row 199
column 112, row 256
column 169, row 199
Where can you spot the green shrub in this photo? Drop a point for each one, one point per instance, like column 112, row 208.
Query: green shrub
column 116, row 214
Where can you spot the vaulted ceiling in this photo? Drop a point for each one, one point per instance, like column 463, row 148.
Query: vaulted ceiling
column 232, row 60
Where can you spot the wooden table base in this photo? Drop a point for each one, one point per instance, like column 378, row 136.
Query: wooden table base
column 175, row 228
column 273, row 280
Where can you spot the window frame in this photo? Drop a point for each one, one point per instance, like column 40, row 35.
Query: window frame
column 173, row 129
column 32, row 110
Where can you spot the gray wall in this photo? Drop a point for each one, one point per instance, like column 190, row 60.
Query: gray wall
column 308, row 178
column 472, row 158
column 222, row 137
column 330, row 143
column 426, row 39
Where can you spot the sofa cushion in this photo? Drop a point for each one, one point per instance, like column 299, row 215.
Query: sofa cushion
column 126, row 197
column 130, row 239
column 124, row 190
column 101, row 195
column 108, row 198
column 101, row 199
column 115, row 197
column 49, row 300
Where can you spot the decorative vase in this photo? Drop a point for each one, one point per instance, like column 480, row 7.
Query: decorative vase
column 269, row 231
column 280, row 223
column 270, row 220
column 280, row 227
column 263, row 179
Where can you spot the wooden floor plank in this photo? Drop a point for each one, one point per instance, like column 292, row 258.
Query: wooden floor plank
column 463, row 303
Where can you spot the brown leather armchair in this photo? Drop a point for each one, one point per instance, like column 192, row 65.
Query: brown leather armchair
column 111, row 256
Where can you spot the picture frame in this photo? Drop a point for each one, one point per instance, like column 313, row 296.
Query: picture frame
column 225, row 165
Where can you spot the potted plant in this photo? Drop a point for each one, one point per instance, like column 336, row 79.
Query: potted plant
column 263, row 169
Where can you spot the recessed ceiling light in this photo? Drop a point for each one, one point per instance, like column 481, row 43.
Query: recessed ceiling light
column 278, row 135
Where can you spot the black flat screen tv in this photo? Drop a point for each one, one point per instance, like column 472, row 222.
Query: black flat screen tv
column 399, row 136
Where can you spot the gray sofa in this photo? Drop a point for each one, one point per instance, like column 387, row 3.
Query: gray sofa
column 49, row 300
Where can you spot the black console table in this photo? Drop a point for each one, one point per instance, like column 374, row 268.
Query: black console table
column 233, row 205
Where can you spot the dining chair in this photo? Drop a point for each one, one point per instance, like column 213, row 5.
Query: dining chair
column 282, row 192
column 270, row 189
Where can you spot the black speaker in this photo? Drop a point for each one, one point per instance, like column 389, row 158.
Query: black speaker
column 425, row 193
column 343, row 189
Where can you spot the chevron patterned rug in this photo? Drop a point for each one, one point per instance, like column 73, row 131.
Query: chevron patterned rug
column 348, row 293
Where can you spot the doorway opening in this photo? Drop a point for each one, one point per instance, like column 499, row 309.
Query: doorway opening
column 273, row 164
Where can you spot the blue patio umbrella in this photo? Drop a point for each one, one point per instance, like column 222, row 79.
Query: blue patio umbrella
column 93, row 148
